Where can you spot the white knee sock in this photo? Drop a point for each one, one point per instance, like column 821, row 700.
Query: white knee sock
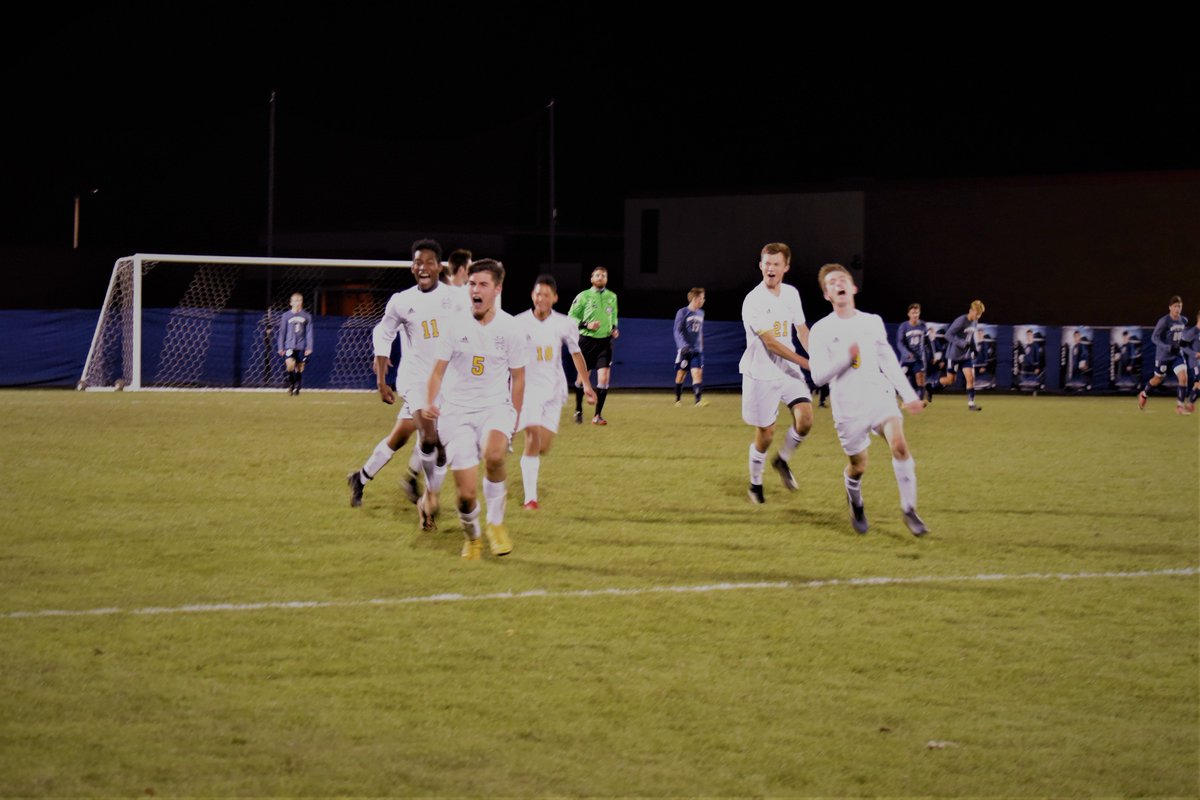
column 529, row 474
column 757, row 461
column 470, row 522
column 495, row 493
column 906, row 479
column 854, row 487
column 790, row 443
column 379, row 458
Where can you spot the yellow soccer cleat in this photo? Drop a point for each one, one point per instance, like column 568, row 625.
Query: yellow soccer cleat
column 498, row 541
column 473, row 550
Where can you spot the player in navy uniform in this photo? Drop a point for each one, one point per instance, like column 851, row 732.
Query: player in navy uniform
column 1189, row 345
column 960, row 357
column 1081, row 361
column 295, row 341
column 689, row 346
column 1167, row 354
column 912, row 344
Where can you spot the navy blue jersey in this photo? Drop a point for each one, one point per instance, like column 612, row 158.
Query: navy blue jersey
column 911, row 342
column 1166, row 337
column 1080, row 356
column 1189, row 342
column 295, row 330
column 960, row 337
column 689, row 329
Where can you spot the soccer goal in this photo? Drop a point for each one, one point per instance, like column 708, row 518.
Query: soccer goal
column 208, row 322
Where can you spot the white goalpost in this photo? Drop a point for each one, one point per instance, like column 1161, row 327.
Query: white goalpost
column 207, row 322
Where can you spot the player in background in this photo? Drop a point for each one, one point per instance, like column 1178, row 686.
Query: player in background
column 770, row 368
column 295, row 341
column 545, row 382
column 689, row 346
column 457, row 265
column 1189, row 345
column 850, row 351
column 960, row 355
column 912, row 343
column 1167, row 355
column 479, row 374
column 422, row 313
column 595, row 312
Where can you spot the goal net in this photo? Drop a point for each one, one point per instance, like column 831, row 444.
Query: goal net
column 194, row 321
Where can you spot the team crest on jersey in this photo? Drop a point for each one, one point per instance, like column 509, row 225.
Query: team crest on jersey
column 499, row 343
column 447, row 302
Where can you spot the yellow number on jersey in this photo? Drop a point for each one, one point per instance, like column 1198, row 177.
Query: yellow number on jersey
column 429, row 328
column 545, row 353
column 782, row 329
column 477, row 365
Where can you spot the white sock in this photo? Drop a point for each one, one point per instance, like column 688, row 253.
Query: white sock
column 529, row 474
column 378, row 459
column 854, row 487
column 906, row 479
column 757, row 461
column 470, row 522
column 439, row 475
column 790, row 443
column 429, row 466
column 495, row 493
column 414, row 458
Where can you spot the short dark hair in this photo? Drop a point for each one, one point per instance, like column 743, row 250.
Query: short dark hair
column 426, row 244
column 547, row 280
column 917, row 306
column 459, row 258
column 488, row 265
column 1175, row 299
column 777, row 248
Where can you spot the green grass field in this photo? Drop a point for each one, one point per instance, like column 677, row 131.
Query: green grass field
column 652, row 633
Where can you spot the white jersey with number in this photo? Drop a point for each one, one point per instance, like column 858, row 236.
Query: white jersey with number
column 544, row 377
column 424, row 318
column 480, row 357
column 764, row 312
column 859, row 387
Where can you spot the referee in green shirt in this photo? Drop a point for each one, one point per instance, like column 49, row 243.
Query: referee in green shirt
column 595, row 311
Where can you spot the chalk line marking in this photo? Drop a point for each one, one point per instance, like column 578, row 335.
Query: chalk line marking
column 210, row 608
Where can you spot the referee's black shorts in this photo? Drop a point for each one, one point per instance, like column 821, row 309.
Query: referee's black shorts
column 597, row 353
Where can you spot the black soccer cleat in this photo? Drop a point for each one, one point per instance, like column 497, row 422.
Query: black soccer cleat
column 858, row 515
column 354, row 480
column 578, row 417
column 915, row 524
column 975, row 408
column 785, row 473
column 756, row 494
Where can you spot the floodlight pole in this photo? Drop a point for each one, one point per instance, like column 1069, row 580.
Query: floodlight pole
column 553, row 208
column 267, row 333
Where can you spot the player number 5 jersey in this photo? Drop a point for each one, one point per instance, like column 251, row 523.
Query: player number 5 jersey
column 480, row 357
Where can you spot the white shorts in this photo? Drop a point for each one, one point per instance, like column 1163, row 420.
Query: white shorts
column 761, row 399
column 464, row 432
column 414, row 400
column 542, row 411
column 855, row 433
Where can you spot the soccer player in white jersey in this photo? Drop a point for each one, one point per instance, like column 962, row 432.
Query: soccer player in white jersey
column 545, row 381
column 770, row 367
column 422, row 313
column 479, row 372
column 850, row 351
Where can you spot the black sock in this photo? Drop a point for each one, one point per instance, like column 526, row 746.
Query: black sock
column 678, row 391
column 601, row 394
column 697, row 389
column 578, row 399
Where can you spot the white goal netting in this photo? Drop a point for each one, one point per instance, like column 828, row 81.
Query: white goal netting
column 186, row 322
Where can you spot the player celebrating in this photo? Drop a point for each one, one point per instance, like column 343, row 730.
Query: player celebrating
column 850, row 350
column 1167, row 355
column 960, row 357
column 689, row 346
column 474, row 365
column 912, row 342
column 595, row 312
column 770, row 367
column 423, row 313
column 545, row 382
column 295, row 341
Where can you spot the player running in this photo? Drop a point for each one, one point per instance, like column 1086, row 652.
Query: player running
column 545, row 382
column 479, row 374
column 849, row 350
column 960, row 356
column 423, row 313
column 1168, row 356
column 770, row 368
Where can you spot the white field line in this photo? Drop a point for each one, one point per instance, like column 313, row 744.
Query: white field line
column 208, row 608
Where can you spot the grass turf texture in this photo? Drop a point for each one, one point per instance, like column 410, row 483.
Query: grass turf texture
column 1013, row 687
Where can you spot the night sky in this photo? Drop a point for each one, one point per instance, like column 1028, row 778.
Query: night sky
column 437, row 118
